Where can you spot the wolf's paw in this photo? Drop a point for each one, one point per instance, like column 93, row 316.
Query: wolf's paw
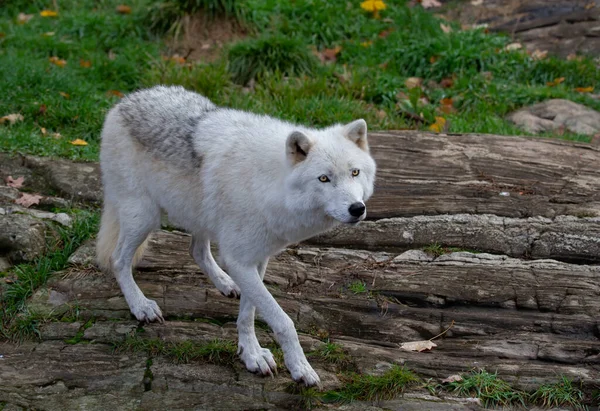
column 228, row 287
column 258, row 360
column 147, row 311
column 302, row 372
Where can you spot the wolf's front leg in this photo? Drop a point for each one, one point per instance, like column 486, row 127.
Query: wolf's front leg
column 256, row 294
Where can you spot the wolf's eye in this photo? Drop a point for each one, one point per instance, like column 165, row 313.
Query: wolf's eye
column 355, row 172
column 324, row 179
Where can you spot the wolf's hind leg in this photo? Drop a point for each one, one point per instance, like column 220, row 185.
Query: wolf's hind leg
column 257, row 359
column 137, row 219
column 200, row 252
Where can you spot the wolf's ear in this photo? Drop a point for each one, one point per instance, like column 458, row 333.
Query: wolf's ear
column 357, row 132
column 297, row 147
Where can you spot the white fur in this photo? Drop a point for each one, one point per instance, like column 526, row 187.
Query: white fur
column 257, row 191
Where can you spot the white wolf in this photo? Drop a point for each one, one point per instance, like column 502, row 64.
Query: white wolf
column 251, row 183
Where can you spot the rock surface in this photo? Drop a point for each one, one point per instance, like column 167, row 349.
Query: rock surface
column 526, row 308
column 557, row 114
column 561, row 27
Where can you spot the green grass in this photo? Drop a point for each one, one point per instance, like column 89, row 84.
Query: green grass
column 491, row 390
column 256, row 58
column 16, row 322
column 360, row 387
column 215, row 352
column 358, row 287
column 79, row 335
column 367, row 79
column 560, row 394
column 333, row 353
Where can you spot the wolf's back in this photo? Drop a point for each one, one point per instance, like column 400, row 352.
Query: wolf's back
column 164, row 121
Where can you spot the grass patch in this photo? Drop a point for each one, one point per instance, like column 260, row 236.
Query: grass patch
column 359, row 387
column 358, row 287
column 106, row 51
column 215, row 352
column 77, row 337
column 257, row 58
column 437, row 250
column 333, row 353
column 16, row 323
column 491, row 390
column 560, row 394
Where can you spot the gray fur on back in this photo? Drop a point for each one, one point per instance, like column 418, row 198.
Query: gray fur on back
column 164, row 121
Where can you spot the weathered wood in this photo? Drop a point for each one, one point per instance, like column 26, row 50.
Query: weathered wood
column 564, row 238
column 429, row 174
column 530, row 320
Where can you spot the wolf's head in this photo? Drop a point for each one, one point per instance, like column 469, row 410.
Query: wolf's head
column 331, row 171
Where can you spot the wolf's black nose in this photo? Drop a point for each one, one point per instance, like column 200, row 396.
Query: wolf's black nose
column 357, row 209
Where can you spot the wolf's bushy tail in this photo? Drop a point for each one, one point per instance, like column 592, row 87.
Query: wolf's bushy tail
column 108, row 237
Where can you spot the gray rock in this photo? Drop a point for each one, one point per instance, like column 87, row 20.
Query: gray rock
column 555, row 114
column 85, row 255
column 22, row 237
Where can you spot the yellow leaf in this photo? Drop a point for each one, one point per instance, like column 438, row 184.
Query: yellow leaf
column 373, row 5
column 584, row 89
column 539, row 54
column 57, row 61
column 366, row 43
column 85, row 63
column 555, row 82
column 65, row 95
column 123, row 9
column 79, row 142
column 439, row 124
column 48, row 13
column 43, row 130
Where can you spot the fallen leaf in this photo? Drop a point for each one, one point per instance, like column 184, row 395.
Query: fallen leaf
column 15, row 183
column 12, row 118
column 446, row 106
column 539, row 54
column 428, row 4
column 585, row 89
column 27, row 200
column 85, row 63
column 590, row 5
column 59, row 62
column 123, row 9
column 513, row 47
column 43, row 130
column 42, row 110
column 476, row 2
column 56, row 135
column 48, row 13
column 366, row 43
column 418, row 345
column 79, row 142
column 446, row 28
column 49, row 34
column 65, row 95
column 453, row 378
column 23, row 18
column 447, row 82
column 115, row 93
column 555, row 82
column 433, row 59
column 413, row 82
column 385, row 33
column 373, row 5
column 439, row 125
